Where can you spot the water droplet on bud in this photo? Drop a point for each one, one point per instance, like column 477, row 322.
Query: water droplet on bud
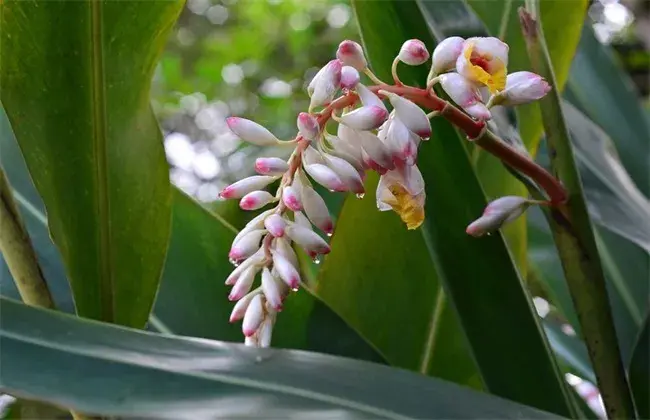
column 316, row 260
column 489, row 234
column 233, row 262
column 331, row 191
column 329, row 234
column 294, row 289
column 360, row 195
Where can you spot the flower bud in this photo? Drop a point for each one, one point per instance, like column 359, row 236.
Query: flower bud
column 499, row 212
column 311, row 156
column 271, row 290
column 376, row 151
column 256, row 258
column 264, row 333
column 523, row 87
column 286, row 270
column 275, row 224
column 255, row 200
column 346, row 172
column 291, row 199
column 446, row 53
column 399, row 140
column 301, row 219
column 365, row 118
column 411, row 115
column 351, row 54
column 325, row 176
column 251, row 132
column 308, row 239
column 246, row 245
column 243, row 283
column 240, row 307
column 368, row 98
column 283, row 246
column 325, row 83
column 256, row 222
column 254, row 316
column 308, row 126
column 413, row 52
column 271, row 166
column 246, row 185
column 349, row 77
column 347, row 141
column 316, row 210
column 465, row 94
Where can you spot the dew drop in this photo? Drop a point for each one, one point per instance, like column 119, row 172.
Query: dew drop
column 294, row 289
column 489, row 234
column 329, row 234
column 233, row 262
column 316, row 259
column 360, row 195
column 332, row 191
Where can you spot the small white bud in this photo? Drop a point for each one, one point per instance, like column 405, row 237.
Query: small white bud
column 446, row 53
column 308, row 126
column 271, row 166
column 243, row 283
column 291, row 199
column 365, row 118
column 264, row 333
column 399, row 140
column 316, row 210
column 413, row 53
column 368, row 98
column 256, row 222
column 286, row 270
column 351, row 54
column 376, row 151
column 347, row 173
column 254, row 316
column 411, row 115
column 246, row 185
column 308, row 239
column 311, row 156
column 283, row 246
column 499, row 212
column 256, row 200
column 465, row 94
column 247, row 245
column 347, row 141
column 275, row 224
column 256, row 258
column 326, row 177
column 349, row 77
column 271, row 290
column 325, row 83
column 523, row 87
column 251, row 132
column 240, row 307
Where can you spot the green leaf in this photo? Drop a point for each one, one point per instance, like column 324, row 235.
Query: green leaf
column 75, row 84
column 170, row 377
column 615, row 106
column 638, row 371
column 380, row 278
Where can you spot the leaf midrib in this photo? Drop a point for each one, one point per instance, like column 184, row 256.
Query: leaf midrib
column 106, row 283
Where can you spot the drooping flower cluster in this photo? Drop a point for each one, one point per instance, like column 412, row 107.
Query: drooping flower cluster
column 368, row 137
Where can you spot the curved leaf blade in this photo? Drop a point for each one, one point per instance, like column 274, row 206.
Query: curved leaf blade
column 182, row 378
column 77, row 96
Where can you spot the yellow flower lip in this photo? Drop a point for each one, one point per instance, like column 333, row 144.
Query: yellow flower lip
column 407, row 206
column 479, row 68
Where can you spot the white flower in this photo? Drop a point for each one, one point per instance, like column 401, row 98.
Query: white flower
column 446, row 53
column 251, row 132
column 402, row 190
column 413, row 53
column 484, row 60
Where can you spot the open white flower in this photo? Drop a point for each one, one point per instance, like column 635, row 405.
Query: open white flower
column 402, row 190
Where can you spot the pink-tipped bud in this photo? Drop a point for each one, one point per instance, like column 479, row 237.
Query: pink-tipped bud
column 325, row 83
column 411, row 115
column 499, row 212
column 368, row 97
column 351, row 54
column 523, row 87
column 240, row 307
column 254, row 316
column 239, row 270
column 347, row 173
column 465, row 94
column 326, row 177
column 275, row 224
column 308, row 239
column 286, row 270
column 365, row 118
column 271, row 290
column 256, row 222
column 346, row 141
column 308, row 126
column 251, row 132
column 446, row 53
column 246, row 185
column 291, row 199
column 311, row 156
column 255, row 200
column 413, row 52
column 243, row 283
column 377, row 153
column 316, row 210
column 271, row 166
column 246, row 245
column 283, row 246
column 349, row 77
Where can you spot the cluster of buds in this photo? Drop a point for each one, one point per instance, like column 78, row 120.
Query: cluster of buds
column 368, row 137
